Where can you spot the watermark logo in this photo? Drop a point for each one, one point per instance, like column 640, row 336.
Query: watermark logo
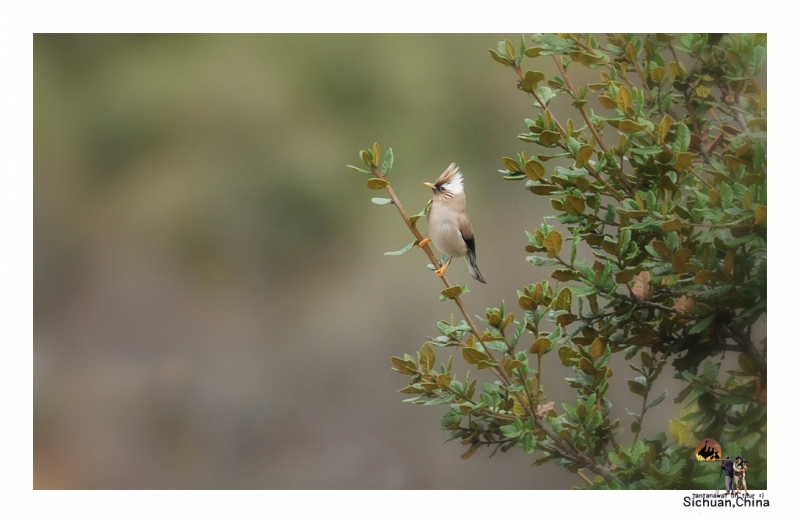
column 708, row 450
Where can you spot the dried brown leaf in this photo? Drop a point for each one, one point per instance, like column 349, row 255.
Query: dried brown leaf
column 641, row 287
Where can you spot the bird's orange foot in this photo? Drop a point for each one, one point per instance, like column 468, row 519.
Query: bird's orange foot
column 440, row 272
column 422, row 243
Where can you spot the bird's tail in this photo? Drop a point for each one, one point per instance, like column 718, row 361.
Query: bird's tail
column 473, row 268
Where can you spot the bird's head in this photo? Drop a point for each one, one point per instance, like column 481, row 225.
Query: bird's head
column 449, row 184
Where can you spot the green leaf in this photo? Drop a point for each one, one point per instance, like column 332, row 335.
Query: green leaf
column 388, row 159
column 451, row 419
column 541, row 262
column 359, row 169
column 510, row 431
column 528, row 443
column 637, row 388
column 403, row 250
column 382, row 201
column 647, row 151
column 682, row 138
column 702, row 325
column 518, row 332
column 658, row 400
column 510, row 52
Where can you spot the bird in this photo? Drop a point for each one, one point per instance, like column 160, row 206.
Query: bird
column 449, row 225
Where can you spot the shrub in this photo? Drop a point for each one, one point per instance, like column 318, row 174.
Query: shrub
column 664, row 179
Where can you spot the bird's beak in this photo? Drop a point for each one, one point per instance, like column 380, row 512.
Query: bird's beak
column 429, row 184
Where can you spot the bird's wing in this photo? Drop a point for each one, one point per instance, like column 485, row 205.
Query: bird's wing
column 465, row 228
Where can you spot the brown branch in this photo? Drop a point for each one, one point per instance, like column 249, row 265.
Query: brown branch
column 584, row 478
column 758, row 358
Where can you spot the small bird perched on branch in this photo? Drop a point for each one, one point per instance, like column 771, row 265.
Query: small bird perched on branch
column 449, row 225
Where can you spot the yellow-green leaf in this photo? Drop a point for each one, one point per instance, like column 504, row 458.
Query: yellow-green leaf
column 623, row 98
column 518, row 409
column 680, row 259
column 606, row 101
column 540, row 346
column 534, row 170
column 629, row 126
column 703, row 276
column 548, row 138
column 714, row 198
column 728, row 264
column 586, row 366
column 761, row 215
column 476, row 357
column 498, row 58
column 404, row 366
column 553, row 243
column 563, row 300
column 669, row 226
column 747, row 365
column 584, row 155
column 683, row 161
column 566, row 355
column 510, row 52
column 468, row 454
column 577, row 205
column 377, row 183
column 526, row 303
column 680, row 432
column 532, row 78
column 453, row 292
column 662, row 249
column 511, row 165
column 427, row 358
column 598, row 349
column 366, row 157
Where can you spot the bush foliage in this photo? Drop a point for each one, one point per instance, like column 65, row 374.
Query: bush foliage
column 663, row 179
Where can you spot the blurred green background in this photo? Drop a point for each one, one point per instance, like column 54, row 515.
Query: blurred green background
column 212, row 307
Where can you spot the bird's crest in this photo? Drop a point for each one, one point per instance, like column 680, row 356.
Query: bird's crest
column 451, row 181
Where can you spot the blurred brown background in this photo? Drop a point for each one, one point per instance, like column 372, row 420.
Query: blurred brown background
column 212, row 305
